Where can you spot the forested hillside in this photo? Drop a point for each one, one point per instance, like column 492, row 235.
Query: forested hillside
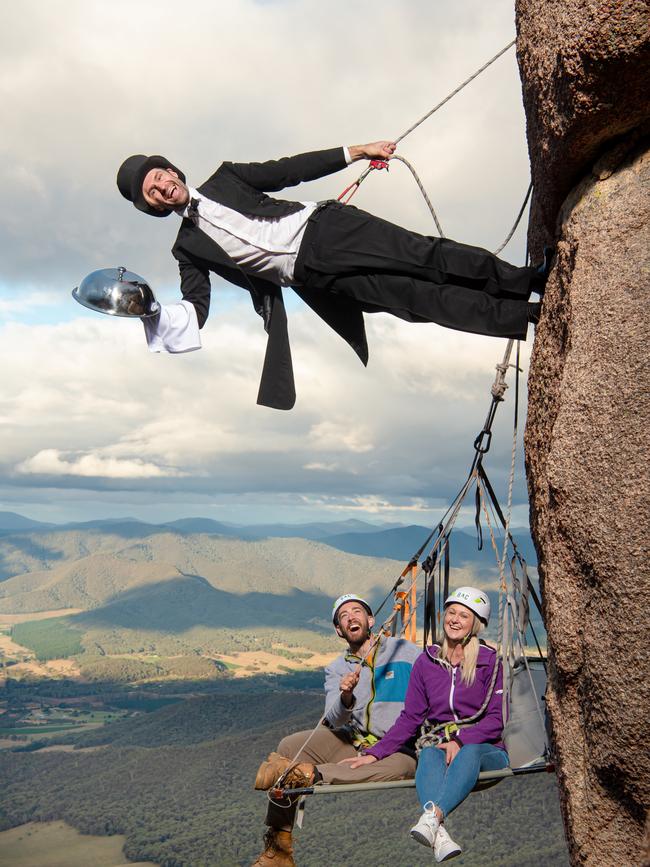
column 84, row 569
column 178, row 783
column 158, row 653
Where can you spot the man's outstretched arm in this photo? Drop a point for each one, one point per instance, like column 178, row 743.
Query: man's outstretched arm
column 275, row 175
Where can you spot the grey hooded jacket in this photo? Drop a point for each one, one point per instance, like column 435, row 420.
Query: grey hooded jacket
column 379, row 695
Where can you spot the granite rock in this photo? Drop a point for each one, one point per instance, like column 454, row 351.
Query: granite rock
column 584, row 69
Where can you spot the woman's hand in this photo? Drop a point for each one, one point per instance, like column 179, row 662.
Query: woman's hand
column 451, row 749
column 358, row 761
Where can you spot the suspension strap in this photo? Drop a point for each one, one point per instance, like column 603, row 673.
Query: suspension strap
column 428, row 567
column 406, row 605
column 446, row 567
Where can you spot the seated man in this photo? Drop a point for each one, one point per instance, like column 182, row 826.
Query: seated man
column 364, row 694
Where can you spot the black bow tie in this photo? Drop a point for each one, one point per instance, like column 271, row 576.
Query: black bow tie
column 193, row 211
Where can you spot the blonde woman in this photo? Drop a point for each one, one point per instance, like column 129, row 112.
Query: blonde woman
column 450, row 682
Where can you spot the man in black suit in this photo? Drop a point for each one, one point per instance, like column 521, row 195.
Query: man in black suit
column 343, row 262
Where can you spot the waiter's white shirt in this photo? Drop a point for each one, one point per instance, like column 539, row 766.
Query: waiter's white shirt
column 264, row 246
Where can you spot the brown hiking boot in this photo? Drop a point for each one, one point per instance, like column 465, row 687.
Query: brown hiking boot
column 269, row 771
column 278, row 852
column 299, row 776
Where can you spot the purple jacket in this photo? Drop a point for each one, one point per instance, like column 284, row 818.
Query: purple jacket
column 436, row 694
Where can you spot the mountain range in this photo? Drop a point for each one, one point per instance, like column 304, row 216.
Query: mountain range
column 191, row 577
column 391, row 540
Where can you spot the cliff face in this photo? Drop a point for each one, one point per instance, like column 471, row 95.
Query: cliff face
column 585, row 82
column 585, row 67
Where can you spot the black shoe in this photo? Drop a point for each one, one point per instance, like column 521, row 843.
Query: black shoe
column 538, row 283
column 533, row 311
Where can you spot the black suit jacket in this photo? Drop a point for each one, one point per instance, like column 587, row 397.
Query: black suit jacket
column 243, row 187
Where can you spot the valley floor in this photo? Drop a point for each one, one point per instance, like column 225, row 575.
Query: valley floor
column 56, row 844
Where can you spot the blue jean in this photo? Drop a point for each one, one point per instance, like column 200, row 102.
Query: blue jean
column 447, row 786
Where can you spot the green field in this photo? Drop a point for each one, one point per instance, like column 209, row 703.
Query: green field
column 56, row 844
column 52, row 638
column 61, row 720
column 40, row 730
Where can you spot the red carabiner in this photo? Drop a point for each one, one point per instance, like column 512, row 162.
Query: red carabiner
column 351, row 190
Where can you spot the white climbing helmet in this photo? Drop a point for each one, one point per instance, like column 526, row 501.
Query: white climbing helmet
column 348, row 597
column 472, row 598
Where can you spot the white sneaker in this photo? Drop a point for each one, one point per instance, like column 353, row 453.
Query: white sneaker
column 444, row 847
column 427, row 827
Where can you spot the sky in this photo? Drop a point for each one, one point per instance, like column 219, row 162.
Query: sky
column 92, row 425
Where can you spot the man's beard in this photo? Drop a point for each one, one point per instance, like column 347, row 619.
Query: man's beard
column 358, row 638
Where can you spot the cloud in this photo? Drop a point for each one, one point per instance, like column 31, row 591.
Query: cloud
column 29, row 301
column 87, row 414
column 336, row 436
column 76, row 102
column 372, row 505
column 403, row 428
column 51, row 462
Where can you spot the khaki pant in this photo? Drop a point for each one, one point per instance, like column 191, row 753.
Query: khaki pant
column 325, row 749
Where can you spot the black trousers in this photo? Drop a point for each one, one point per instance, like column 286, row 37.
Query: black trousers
column 418, row 278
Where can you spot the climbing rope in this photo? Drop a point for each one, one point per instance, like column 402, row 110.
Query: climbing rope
column 430, row 733
column 454, row 92
column 516, row 223
column 442, row 541
column 422, row 190
column 374, row 165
